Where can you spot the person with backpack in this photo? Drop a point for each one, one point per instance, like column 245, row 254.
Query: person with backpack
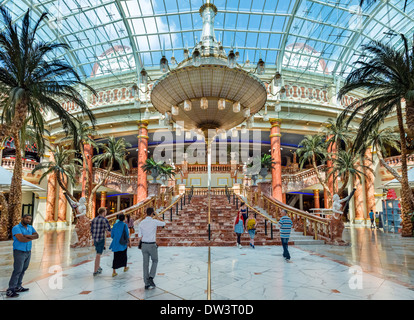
column 120, row 244
column 251, row 228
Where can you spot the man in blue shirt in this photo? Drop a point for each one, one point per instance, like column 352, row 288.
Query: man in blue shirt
column 285, row 227
column 23, row 234
column 372, row 217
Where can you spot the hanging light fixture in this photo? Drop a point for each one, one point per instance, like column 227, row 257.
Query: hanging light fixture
column 221, row 104
column 144, row 77
column 236, row 107
column 186, row 54
column 234, row 133
column 231, row 59
column 204, row 103
column 164, row 64
column 260, row 67
column 243, row 128
column 188, row 105
column 196, row 58
column 246, row 112
column 174, row 110
column 265, row 116
column 161, row 120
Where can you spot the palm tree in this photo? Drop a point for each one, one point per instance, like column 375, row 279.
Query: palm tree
column 83, row 135
column 387, row 76
column 345, row 166
column 336, row 134
column 311, row 149
column 31, row 132
column 30, row 81
column 114, row 151
column 64, row 165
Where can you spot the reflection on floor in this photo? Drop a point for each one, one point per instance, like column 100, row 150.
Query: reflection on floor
column 376, row 266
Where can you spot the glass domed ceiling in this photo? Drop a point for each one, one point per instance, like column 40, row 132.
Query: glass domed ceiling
column 109, row 37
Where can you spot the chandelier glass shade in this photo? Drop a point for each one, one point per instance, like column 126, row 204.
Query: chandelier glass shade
column 216, row 86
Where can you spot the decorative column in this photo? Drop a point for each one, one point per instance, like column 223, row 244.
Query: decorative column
column 359, row 196
column 316, row 199
column 369, row 180
column 142, row 188
column 51, row 194
column 62, row 203
column 275, row 137
column 103, row 199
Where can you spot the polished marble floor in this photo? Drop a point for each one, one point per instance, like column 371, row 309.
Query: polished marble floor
column 375, row 266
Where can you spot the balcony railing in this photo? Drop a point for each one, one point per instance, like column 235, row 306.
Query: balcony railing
column 28, row 165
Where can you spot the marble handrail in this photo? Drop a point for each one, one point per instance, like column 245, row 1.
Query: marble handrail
column 308, row 223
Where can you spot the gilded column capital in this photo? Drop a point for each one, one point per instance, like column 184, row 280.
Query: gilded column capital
column 143, row 123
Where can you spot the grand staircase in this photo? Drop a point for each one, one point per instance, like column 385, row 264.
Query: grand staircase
column 188, row 226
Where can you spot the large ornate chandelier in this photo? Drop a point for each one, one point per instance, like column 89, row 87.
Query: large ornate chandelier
column 208, row 89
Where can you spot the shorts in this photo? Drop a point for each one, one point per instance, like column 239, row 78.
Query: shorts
column 252, row 233
column 99, row 246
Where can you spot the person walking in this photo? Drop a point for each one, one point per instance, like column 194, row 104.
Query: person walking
column 372, row 217
column 285, row 224
column 147, row 233
column 119, row 245
column 99, row 226
column 239, row 227
column 243, row 210
column 251, row 228
column 23, row 235
column 130, row 222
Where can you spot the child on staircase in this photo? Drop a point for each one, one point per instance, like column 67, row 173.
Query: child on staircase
column 251, row 228
column 239, row 227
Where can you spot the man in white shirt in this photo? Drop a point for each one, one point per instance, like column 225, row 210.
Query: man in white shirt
column 147, row 232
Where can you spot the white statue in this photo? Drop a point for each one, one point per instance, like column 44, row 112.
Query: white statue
column 337, row 205
column 80, row 206
column 81, row 236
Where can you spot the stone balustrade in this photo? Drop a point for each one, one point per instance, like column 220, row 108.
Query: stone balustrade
column 27, row 165
column 396, row 161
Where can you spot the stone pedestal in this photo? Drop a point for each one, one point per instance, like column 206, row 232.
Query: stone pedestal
column 181, row 188
column 265, row 188
column 236, row 188
column 154, row 189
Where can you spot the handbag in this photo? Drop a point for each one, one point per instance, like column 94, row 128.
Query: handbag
column 124, row 237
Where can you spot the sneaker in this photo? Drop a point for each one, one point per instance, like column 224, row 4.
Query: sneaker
column 240, row 246
column 99, row 270
column 11, row 294
column 21, row 289
column 96, row 273
column 114, row 274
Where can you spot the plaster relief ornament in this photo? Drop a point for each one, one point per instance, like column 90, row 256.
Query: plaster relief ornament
column 81, row 235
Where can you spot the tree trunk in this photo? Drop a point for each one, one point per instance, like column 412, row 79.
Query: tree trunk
column 15, row 195
column 406, row 203
column 321, row 181
column 4, row 218
column 95, row 189
column 409, row 117
column 344, row 185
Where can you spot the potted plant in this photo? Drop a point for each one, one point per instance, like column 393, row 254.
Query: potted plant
column 153, row 168
column 266, row 163
column 166, row 172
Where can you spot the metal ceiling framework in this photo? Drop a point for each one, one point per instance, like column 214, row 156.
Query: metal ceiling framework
column 271, row 29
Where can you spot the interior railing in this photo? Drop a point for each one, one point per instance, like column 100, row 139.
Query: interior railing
column 309, row 224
